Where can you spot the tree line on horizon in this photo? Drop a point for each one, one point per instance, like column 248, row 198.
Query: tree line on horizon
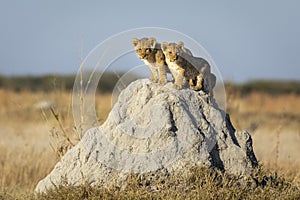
column 48, row 83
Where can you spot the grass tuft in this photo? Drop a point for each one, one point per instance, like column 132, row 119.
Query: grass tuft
column 201, row 183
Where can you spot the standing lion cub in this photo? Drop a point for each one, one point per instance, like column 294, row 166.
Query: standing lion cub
column 149, row 51
column 184, row 67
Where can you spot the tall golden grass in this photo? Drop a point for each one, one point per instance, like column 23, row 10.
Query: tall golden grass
column 31, row 138
column 274, row 123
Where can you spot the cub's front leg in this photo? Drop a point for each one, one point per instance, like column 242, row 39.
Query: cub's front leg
column 154, row 71
column 161, row 66
column 179, row 79
column 162, row 71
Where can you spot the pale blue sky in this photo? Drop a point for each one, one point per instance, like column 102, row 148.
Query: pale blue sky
column 247, row 40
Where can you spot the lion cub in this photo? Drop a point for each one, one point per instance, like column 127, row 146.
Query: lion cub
column 149, row 51
column 185, row 66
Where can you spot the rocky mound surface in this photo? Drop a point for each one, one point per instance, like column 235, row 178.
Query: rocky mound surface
column 153, row 128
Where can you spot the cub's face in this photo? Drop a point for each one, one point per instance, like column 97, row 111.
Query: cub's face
column 171, row 50
column 144, row 46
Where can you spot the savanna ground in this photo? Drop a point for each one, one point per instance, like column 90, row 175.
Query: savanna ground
column 32, row 141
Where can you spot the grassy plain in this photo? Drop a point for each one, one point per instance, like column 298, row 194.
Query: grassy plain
column 32, row 140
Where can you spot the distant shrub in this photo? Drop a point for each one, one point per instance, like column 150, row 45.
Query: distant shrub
column 108, row 81
column 272, row 87
column 37, row 83
column 49, row 83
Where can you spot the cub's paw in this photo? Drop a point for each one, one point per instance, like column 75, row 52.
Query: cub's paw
column 177, row 87
column 153, row 79
column 162, row 81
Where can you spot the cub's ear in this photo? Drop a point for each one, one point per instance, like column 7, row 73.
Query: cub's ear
column 152, row 42
column 134, row 41
column 180, row 44
column 164, row 46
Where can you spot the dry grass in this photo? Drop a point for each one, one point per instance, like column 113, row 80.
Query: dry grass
column 274, row 123
column 28, row 132
column 31, row 139
column 201, row 183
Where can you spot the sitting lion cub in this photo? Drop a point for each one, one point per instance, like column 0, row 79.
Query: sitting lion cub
column 149, row 51
column 185, row 66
